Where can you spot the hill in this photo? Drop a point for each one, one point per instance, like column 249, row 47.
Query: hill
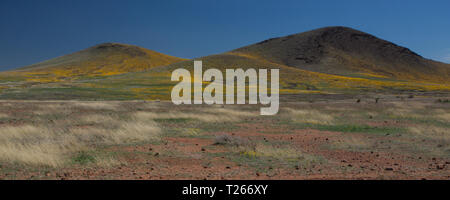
column 100, row 60
column 335, row 59
column 345, row 51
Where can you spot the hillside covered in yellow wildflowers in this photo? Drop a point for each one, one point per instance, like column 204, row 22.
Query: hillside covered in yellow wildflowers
column 100, row 60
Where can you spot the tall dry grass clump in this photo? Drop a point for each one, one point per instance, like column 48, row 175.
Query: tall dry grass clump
column 34, row 145
column 53, row 143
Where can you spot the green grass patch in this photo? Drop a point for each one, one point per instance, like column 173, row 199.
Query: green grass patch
column 354, row 128
column 67, row 93
column 83, row 158
column 173, row 120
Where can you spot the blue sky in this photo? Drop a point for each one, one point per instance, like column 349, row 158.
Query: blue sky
column 33, row 31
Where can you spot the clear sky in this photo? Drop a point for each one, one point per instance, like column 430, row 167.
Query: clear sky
column 35, row 30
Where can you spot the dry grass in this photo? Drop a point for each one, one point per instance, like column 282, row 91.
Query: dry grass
column 444, row 117
column 54, row 108
column 276, row 152
column 231, row 140
column 97, row 105
column 204, row 115
column 189, row 132
column 282, row 155
column 353, row 143
column 430, row 131
column 403, row 112
column 149, row 105
column 262, row 150
column 406, row 110
column 34, row 145
column 107, row 161
column 418, row 111
column 97, row 118
column 53, row 144
column 310, row 116
column 128, row 132
column 34, row 154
